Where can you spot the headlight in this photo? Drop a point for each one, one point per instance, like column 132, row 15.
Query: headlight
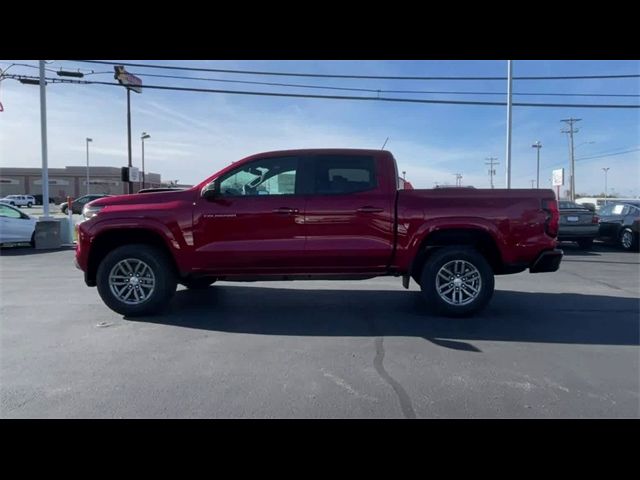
column 90, row 211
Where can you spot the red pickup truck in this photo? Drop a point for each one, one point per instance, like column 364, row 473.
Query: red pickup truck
column 315, row 214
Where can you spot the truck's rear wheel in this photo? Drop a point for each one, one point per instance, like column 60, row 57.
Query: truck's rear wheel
column 136, row 280
column 457, row 281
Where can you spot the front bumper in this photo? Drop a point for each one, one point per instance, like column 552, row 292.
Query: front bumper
column 548, row 261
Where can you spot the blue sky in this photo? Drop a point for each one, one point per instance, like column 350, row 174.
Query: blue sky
column 196, row 134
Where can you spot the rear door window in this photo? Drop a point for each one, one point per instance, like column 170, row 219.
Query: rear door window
column 343, row 174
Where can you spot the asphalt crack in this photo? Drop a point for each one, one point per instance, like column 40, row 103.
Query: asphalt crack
column 403, row 397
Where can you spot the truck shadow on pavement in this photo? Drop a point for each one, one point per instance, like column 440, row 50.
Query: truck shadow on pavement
column 510, row 317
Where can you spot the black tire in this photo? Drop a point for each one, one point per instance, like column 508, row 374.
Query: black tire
column 198, row 283
column 64, row 210
column 29, row 205
column 430, row 272
column 13, row 204
column 32, row 242
column 162, row 269
column 586, row 244
column 624, row 242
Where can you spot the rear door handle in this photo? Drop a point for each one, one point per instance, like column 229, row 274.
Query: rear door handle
column 285, row 210
column 368, row 209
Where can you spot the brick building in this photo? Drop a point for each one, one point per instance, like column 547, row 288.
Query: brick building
column 69, row 181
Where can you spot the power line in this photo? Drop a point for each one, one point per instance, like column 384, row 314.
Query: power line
column 374, row 90
column 342, row 97
column 379, row 77
column 608, row 154
column 371, row 90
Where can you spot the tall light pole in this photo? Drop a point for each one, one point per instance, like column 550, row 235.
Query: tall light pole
column 143, row 137
column 508, row 156
column 43, row 139
column 88, row 140
column 606, row 170
column 537, row 146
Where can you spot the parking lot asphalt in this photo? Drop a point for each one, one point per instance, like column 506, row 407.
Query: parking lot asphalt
column 549, row 345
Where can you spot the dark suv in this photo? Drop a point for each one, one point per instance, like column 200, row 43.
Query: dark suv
column 78, row 204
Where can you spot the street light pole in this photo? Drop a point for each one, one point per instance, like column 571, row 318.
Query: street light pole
column 88, row 140
column 537, row 146
column 129, row 133
column 43, row 139
column 142, row 137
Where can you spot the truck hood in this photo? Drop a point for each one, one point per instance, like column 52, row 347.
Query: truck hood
column 144, row 199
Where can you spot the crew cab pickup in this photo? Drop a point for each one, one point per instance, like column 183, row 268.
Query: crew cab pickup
column 315, row 214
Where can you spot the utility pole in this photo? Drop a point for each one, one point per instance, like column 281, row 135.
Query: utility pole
column 571, row 131
column 458, row 179
column 532, row 183
column 508, row 156
column 491, row 161
column 537, row 146
column 606, row 170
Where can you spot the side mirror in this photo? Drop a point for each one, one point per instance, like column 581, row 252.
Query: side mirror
column 211, row 191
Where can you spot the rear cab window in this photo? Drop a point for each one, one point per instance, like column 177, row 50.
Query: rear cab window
column 343, row 174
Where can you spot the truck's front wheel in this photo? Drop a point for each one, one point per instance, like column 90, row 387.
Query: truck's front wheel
column 136, row 280
column 457, row 281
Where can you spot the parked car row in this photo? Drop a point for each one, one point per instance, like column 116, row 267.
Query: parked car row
column 617, row 223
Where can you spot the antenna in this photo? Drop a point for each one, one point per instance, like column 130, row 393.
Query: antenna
column 385, row 142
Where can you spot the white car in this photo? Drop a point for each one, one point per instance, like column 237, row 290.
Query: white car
column 19, row 200
column 15, row 226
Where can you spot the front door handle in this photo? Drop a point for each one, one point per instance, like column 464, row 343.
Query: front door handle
column 285, row 210
column 368, row 209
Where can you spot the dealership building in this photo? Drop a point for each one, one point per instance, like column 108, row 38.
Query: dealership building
column 70, row 181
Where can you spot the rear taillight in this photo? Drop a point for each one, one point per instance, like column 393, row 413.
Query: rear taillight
column 595, row 219
column 550, row 205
